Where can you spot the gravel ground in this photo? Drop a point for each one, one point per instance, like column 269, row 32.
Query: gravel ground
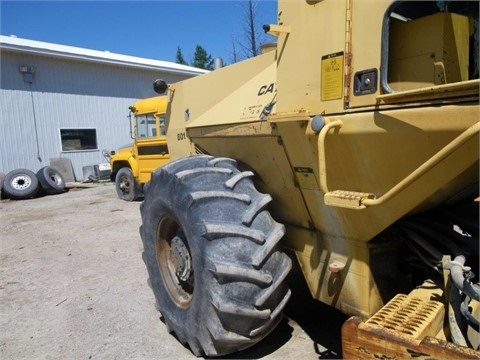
column 73, row 286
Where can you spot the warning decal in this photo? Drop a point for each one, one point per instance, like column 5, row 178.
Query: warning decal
column 332, row 76
column 306, row 178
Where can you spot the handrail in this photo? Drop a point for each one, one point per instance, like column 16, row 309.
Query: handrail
column 427, row 165
column 321, row 155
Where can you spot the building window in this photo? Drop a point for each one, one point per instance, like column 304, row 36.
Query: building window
column 78, row 139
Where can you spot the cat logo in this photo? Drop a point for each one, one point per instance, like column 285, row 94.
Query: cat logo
column 265, row 89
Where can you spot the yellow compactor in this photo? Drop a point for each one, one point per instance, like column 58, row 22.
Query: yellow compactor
column 350, row 147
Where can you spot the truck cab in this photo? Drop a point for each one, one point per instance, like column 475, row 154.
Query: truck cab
column 133, row 164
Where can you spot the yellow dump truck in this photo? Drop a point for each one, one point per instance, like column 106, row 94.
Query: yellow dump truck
column 352, row 149
column 133, row 164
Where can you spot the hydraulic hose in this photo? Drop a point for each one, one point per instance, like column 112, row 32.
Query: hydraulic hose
column 474, row 323
column 454, row 317
column 460, row 284
column 456, row 272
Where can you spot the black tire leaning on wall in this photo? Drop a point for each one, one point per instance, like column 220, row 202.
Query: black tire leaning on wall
column 2, row 178
column 210, row 248
column 20, row 184
column 51, row 180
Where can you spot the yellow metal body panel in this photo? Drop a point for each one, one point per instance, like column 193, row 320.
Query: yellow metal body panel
column 253, row 81
column 317, row 31
column 154, row 105
column 124, row 157
column 368, row 33
column 385, row 137
column 147, row 162
column 439, row 56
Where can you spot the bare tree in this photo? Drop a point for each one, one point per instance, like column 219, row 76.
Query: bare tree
column 234, row 57
column 250, row 43
column 250, row 30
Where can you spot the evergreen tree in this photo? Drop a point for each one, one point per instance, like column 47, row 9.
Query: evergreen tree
column 201, row 59
column 179, row 57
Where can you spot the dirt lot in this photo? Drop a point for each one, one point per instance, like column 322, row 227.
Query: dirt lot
column 73, row 286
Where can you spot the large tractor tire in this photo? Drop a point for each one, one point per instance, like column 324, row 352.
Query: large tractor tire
column 210, row 247
column 20, row 184
column 126, row 185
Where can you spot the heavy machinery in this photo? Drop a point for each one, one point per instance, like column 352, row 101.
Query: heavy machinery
column 132, row 165
column 353, row 146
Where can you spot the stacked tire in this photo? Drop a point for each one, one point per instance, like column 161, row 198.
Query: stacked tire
column 21, row 184
column 51, row 180
column 2, row 178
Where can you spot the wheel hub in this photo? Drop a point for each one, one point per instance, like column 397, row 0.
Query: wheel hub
column 125, row 186
column 21, row 182
column 55, row 179
column 181, row 259
column 175, row 262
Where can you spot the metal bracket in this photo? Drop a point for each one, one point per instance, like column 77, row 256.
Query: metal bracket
column 276, row 30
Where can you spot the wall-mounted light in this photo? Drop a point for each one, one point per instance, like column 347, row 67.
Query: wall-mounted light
column 27, row 72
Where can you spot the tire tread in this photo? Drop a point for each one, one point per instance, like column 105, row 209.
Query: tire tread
column 240, row 286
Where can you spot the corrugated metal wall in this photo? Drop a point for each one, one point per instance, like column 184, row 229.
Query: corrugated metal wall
column 66, row 94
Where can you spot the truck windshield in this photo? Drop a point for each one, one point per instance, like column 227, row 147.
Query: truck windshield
column 146, row 127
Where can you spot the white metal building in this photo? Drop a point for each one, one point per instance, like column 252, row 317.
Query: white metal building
column 52, row 95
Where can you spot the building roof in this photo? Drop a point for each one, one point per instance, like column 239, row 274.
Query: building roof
column 16, row 44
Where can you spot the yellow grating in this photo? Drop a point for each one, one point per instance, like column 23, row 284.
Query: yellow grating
column 411, row 316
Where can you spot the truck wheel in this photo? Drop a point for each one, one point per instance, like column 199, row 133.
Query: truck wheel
column 51, row 180
column 125, row 185
column 210, row 249
column 20, row 184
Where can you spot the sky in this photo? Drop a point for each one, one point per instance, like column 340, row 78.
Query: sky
column 148, row 29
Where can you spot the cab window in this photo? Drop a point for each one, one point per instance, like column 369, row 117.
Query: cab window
column 428, row 43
